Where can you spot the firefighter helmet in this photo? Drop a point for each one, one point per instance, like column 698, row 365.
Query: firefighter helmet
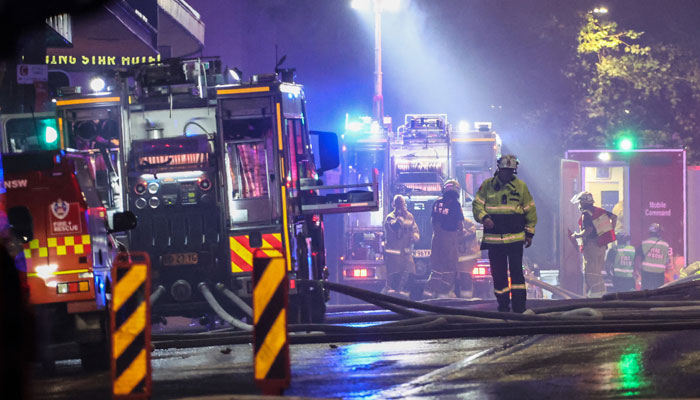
column 655, row 228
column 451, row 185
column 398, row 199
column 583, row 198
column 508, row 161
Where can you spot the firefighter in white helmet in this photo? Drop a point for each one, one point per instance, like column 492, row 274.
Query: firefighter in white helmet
column 595, row 233
column 401, row 233
column 506, row 208
column 652, row 254
column 448, row 223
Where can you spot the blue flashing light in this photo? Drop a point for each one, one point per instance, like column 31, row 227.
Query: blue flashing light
column 355, row 126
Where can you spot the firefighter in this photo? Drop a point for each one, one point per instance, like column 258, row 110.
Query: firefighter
column 468, row 252
column 401, row 233
column 595, row 233
column 652, row 254
column 506, row 208
column 448, row 224
column 619, row 262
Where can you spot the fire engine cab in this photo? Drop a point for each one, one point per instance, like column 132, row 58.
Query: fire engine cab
column 68, row 250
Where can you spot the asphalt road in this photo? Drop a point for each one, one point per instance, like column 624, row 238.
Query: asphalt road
column 614, row 365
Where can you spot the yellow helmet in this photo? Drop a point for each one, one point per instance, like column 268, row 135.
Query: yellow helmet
column 451, row 185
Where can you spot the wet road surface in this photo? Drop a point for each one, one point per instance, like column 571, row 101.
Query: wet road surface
column 640, row 365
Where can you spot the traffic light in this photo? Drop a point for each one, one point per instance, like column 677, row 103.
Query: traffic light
column 27, row 132
column 626, row 141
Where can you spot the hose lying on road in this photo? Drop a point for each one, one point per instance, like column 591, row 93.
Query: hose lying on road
column 554, row 289
column 220, row 311
column 236, row 300
column 156, row 294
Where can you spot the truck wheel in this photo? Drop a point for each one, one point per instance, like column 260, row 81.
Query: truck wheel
column 94, row 356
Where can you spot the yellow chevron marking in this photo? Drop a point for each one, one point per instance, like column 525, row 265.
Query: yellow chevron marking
column 129, row 284
column 267, row 286
column 269, row 250
column 242, row 252
column 129, row 330
column 272, row 345
column 132, row 375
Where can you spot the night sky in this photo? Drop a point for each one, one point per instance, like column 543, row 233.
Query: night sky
column 475, row 60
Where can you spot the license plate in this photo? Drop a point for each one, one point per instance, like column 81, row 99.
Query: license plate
column 421, row 253
column 180, row 259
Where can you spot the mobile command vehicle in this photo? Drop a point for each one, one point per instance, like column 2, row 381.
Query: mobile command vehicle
column 68, row 249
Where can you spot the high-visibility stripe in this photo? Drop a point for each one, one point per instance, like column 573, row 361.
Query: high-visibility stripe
column 280, row 141
column 285, row 227
column 467, row 258
column 504, row 238
column 135, row 373
column 501, row 291
column 72, row 271
column 266, row 288
column 518, row 286
column 274, row 341
column 269, row 249
column 127, row 285
column 243, row 90
column 390, row 251
column 90, row 100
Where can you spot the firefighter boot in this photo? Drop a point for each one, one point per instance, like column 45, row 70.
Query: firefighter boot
column 519, row 297
column 393, row 284
column 436, row 284
column 415, row 287
column 463, row 284
column 503, row 301
column 403, row 288
column 446, row 291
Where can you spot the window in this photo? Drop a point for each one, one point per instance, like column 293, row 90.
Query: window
column 248, row 170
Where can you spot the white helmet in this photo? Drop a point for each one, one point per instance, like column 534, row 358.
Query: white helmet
column 583, row 198
column 508, row 161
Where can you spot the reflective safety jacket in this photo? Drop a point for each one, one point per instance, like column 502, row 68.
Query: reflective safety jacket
column 654, row 253
column 623, row 266
column 401, row 233
column 510, row 207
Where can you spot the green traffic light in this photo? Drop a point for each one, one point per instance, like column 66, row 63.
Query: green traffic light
column 626, row 144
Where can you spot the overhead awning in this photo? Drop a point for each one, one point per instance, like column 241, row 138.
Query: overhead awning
column 119, row 34
column 180, row 29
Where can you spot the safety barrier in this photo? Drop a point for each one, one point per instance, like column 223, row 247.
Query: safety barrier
column 130, row 324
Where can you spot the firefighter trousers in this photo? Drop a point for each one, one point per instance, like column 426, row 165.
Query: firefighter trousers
column 652, row 280
column 593, row 260
column 505, row 258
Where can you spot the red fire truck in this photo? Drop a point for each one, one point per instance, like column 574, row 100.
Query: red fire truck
column 213, row 172
column 68, row 250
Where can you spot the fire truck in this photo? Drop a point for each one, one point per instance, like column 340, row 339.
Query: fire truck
column 365, row 148
column 68, row 248
column 420, row 155
column 214, row 172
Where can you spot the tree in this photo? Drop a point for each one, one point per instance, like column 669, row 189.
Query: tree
column 626, row 87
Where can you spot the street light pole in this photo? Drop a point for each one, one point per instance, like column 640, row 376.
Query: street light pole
column 378, row 97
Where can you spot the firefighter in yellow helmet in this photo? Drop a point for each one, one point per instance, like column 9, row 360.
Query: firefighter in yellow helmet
column 506, row 208
column 448, row 223
column 596, row 231
column 401, row 232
